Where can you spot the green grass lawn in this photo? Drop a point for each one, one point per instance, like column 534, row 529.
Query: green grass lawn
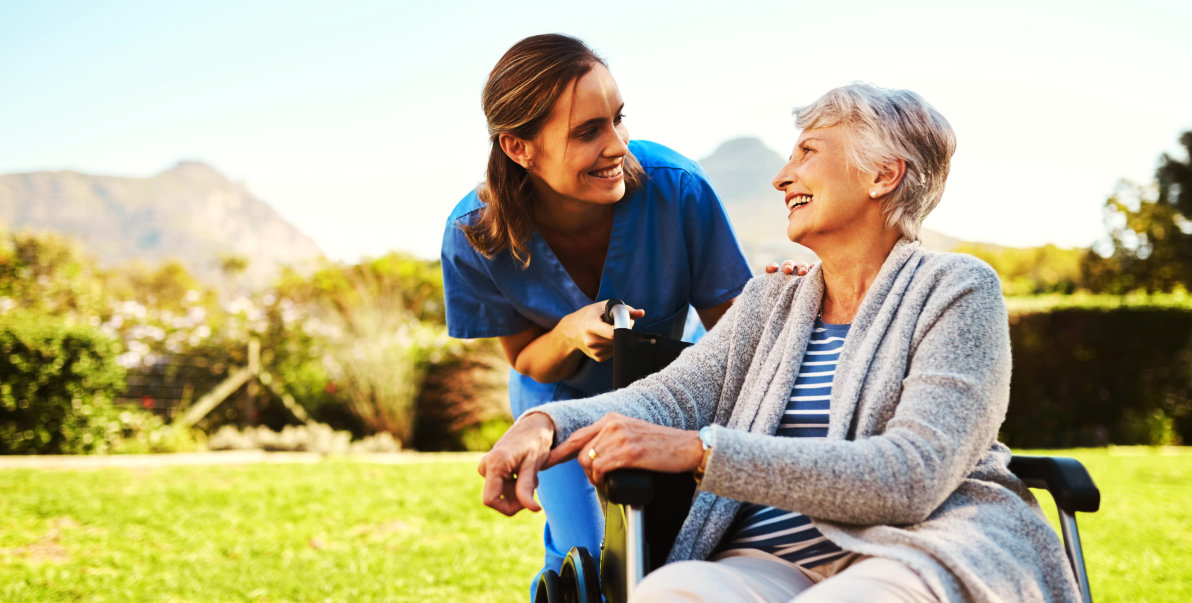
column 331, row 531
column 353, row 531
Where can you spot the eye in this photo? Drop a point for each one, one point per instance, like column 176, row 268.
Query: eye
column 617, row 120
column 588, row 134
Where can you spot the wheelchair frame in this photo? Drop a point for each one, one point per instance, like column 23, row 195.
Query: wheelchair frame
column 644, row 507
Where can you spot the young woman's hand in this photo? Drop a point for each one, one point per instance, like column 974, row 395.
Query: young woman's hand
column 789, row 267
column 587, row 332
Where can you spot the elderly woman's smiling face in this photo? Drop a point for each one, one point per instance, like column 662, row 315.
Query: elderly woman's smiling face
column 825, row 195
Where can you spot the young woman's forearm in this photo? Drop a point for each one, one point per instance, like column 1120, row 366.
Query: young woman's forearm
column 547, row 357
column 554, row 355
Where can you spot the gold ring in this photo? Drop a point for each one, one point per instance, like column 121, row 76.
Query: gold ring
column 592, row 453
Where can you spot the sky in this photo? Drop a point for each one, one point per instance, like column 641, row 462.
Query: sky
column 360, row 122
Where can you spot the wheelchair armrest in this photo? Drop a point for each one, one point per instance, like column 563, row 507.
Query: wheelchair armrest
column 631, row 487
column 1066, row 478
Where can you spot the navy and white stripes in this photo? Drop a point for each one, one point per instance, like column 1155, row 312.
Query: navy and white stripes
column 787, row 534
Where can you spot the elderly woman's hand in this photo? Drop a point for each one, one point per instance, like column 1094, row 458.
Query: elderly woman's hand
column 617, row 442
column 789, row 267
column 511, row 468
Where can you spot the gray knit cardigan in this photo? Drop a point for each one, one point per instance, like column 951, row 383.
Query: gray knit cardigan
column 911, row 468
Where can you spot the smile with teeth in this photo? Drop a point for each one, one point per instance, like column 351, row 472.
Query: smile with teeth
column 798, row 201
column 612, row 172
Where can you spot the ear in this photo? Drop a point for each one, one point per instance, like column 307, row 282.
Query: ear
column 517, row 149
column 889, row 175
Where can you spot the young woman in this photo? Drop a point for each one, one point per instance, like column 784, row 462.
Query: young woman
column 573, row 213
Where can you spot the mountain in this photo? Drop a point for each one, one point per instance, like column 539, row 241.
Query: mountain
column 741, row 171
column 189, row 212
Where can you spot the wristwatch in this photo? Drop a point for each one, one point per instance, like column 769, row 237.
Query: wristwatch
column 705, row 438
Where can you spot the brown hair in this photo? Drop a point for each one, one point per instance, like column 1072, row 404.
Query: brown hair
column 885, row 124
column 518, row 97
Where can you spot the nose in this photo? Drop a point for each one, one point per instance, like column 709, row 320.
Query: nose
column 785, row 177
column 618, row 143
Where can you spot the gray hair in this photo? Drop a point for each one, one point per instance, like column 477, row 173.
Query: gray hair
column 883, row 125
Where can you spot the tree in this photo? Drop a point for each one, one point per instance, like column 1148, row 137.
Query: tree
column 49, row 273
column 1150, row 232
column 1031, row 270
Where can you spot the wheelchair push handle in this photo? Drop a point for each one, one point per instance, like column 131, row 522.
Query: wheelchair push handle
column 616, row 313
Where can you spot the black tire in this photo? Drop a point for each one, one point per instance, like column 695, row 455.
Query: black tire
column 548, row 589
column 579, row 578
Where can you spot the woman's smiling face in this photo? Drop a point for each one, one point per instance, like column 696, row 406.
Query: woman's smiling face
column 824, row 193
column 578, row 154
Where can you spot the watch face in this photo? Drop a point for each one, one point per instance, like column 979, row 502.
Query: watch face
column 705, row 436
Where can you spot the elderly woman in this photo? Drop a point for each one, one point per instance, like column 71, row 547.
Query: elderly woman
column 842, row 426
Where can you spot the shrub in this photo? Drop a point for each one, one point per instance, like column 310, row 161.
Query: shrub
column 378, row 365
column 463, row 403
column 59, row 379
column 1094, row 376
column 376, row 338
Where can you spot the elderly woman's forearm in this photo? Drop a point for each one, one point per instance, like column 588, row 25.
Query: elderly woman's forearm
column 892, row 480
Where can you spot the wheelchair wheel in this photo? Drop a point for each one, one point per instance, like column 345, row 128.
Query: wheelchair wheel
column 579, row 578
column 547, row 590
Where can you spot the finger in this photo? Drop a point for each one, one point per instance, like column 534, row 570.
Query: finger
column 557, row 458
column 492, row 489
column 788, row 267
column 527, row 481
column 495, row 496
column 596, row 342
column 803, row 269
column 635, row 314
column 606, row 460
column 574, row 443
column 508, row 502
column 599, row 350
column 772, row 267
column 596, row 475
column 578, row 444
column 586, row 459
column 601, row 331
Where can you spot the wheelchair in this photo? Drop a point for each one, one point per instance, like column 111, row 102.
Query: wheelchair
column 644, row 510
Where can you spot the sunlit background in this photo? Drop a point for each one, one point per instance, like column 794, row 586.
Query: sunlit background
column 360, row 122
column 142, row 311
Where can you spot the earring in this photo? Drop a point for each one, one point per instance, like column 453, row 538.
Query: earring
column 873, row 194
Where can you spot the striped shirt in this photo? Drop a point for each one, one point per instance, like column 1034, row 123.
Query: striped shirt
column 787, row 534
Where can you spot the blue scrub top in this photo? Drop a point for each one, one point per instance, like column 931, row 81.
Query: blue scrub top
column 671, row 247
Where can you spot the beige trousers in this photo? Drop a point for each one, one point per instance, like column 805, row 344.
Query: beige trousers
column 758, row 577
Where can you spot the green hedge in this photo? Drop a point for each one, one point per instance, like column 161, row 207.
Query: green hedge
column 1097, row 376
column 57, row 380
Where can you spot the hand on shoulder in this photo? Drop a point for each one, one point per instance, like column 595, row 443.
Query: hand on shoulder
column 789, row 267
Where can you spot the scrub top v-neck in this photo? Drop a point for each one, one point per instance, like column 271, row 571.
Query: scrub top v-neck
column 567, row 283
column 671, row 247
